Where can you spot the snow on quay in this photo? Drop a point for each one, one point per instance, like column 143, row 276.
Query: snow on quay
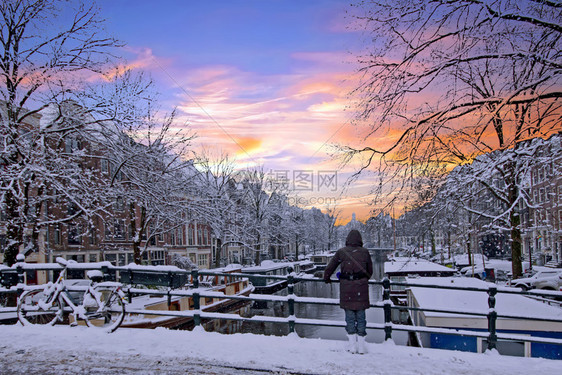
column 64, row 350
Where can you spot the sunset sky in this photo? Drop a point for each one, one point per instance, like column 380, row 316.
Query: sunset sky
column 264, row 81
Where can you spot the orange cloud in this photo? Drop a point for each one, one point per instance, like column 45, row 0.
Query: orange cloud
column 248, row 144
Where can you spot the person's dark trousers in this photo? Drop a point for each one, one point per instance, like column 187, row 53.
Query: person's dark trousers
column 356, row 322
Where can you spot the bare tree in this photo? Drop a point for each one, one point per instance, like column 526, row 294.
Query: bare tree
column 458, row 79
column 215, row 199
column 153, row 175
column 40, row 51
column 259, row 195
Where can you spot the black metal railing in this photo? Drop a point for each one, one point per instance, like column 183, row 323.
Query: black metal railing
column 169, row 280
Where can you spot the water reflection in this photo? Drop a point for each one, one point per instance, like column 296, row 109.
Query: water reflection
column 312, row 311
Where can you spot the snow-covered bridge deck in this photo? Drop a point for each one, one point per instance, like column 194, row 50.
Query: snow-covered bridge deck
column 65, row 350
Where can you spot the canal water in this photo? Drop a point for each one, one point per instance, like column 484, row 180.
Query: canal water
column 311, row 311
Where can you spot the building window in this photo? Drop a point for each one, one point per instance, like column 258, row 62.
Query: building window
column 150, row 230
column 535, row 197
column 119, row 204
column 71, row 144
column 179, row 236
column 73, row 234
column 57, row 234
column 107, row 231
column 72, row 208
column 93, row 258
column 190, row 235
column 541, row 175
column 119, row 227
column 111, row 258
column 3, row 214
column 122, row 259
column 536, row 217
column 202, row 260
column 199, row 242
column 541, row 195
column 92, row 235
column 104, row 166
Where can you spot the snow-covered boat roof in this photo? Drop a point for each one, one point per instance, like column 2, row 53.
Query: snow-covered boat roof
column 467, row 301
column 161, row 268
column 413, row 266
column 228, row 268
column 267, row 265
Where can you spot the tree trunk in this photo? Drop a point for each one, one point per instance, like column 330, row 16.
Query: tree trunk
column 468, row 249
column 218, row 253
column 297, row 247
column 14, row 230
column 514, row 222
column 433, row 249
column 136, row 233
column 258, row 248
column 449, row 244
column 516, row 267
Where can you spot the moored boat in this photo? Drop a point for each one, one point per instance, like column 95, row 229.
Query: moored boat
column 227, row 285
column 398, row 269
column 258, row 276
column 520, row 323
column 321, row 260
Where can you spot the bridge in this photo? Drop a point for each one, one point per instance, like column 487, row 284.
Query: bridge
column 198, row 294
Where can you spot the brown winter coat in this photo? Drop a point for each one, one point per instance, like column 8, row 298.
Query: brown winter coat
column 355, row 260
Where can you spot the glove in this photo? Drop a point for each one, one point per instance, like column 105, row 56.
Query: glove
column 327, row 281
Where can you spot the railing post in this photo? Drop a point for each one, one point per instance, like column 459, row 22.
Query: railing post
column 492, row 317
column 105, row 272
column 195, row 277
column 291, row 302
column 386, row 309
column 19, row 270
column 21, row 278
column 196, row 308
column 169, row 288
column 196, row 299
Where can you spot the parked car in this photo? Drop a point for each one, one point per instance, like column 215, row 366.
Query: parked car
column 540, row 279
column 496, row 270
column 550, row 283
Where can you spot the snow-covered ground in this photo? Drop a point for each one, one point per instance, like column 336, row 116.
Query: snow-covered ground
column 65, row 350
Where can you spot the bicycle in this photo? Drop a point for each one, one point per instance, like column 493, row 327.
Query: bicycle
column 102, row 304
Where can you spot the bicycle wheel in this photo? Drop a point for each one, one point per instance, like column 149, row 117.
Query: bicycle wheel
column 109, row 315
column 33, row 309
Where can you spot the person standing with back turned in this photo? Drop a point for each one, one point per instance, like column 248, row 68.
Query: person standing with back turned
column 356, row 268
